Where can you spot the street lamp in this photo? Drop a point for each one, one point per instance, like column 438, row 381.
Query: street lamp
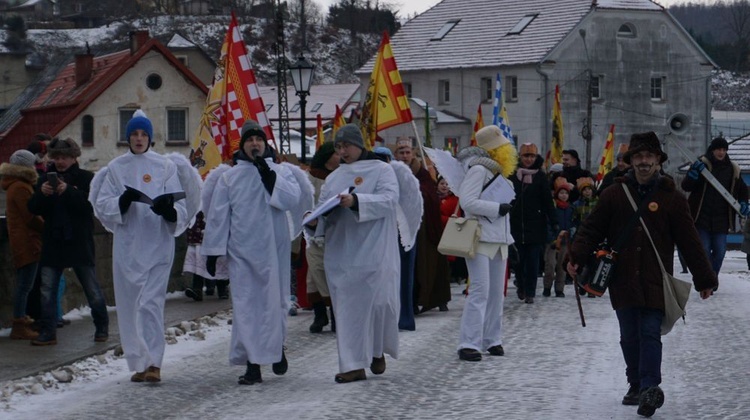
column 302, row 75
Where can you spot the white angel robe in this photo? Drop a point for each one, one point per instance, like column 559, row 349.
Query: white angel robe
column 362, row 262
column 142, row 250
column 245, row 223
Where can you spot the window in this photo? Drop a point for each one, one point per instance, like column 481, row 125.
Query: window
column 522, row 24
column 316, row 107
column 153, row 81
column 443, row 31
column 125, row 116
column 295, row 108
column 87, row 130
column 657, row 89
column 444, row 92
column 510, row 91
column 407, row 89
column 177, row 125
column 627, row 30
column 182, row 59
column 487, row 89
column 596, row 92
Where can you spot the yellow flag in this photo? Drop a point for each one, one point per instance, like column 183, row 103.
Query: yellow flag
column 338, row 122
column 319, row 141
column 558, row 136
column 608, row 155
column 478, row 125
column 386, row 104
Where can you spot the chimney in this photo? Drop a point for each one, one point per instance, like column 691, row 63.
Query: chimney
column 137, row 40
column 84, row 66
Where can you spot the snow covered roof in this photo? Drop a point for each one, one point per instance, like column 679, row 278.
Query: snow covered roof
column 322, row 100
column 440, row 117
column 489, row 33
column 179, row 41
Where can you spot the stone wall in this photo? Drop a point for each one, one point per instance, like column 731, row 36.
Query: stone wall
column 74, row 296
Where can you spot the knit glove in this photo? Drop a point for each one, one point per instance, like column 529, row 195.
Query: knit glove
column 164, row 207
column 695, row 170
column 504, row 209
column 126, row 199
column 211, row 264
column 744, row 208
column 267, row 176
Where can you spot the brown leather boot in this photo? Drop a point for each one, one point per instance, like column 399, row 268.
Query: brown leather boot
column 22, row 330
column 351, row 376
column 138, row 377
column 153, row 374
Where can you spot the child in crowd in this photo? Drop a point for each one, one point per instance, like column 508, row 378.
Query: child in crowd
column 558, row 240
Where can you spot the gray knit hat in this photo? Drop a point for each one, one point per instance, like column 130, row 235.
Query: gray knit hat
column 251, row 128
column 349, row 134
column 22, row 158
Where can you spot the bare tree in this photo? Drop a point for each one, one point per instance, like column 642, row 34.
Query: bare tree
column 737, row 20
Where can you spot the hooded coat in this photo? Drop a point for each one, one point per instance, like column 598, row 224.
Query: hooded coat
column 24, row 228
column 637, row 280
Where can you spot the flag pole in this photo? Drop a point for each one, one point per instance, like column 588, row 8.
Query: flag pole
column 419, row 142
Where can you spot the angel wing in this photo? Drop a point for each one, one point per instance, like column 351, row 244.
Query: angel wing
column 305, row 202
column 448, row 167
column 209, row 186
column 191, row 182
column 410, row 206
column 94, row 188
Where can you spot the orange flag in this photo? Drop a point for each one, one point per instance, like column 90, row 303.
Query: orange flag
column 233, row 97
column 608, row 155
column 386, row 104
column 478, row 125
column 558, row 136
column 319, row 141
column 338, row 122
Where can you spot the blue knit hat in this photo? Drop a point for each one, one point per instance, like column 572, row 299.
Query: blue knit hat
column 139, row 121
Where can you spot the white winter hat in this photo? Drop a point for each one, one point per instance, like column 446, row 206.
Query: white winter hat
column 22, row 158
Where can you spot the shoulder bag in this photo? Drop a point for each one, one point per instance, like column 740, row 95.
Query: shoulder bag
column 676, row 291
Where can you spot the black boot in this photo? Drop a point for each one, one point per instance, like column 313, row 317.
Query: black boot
column 280, row 367
column 210, row 285
column 222, row 289
column 195, row 292
column 251, row 376
column 333, row 321
column 321, row 317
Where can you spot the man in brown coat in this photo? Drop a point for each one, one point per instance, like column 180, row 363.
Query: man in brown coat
column 636, row 290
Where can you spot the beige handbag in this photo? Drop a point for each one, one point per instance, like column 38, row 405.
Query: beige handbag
column 460, row 236
column 676, row 291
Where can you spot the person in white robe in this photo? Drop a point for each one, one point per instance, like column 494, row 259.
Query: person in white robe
column 362, row 258
column 143, row 243
column 247, row 220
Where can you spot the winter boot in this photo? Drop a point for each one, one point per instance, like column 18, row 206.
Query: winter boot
column 102, row 334
column 222, row 289
column 195, row 292
column 153, row 374
column 378, row 365
column 45, row 339
column 210, row 285
column 280, row 367
column 321, row 318
column 631, row 398
column 651, row 399
column 22, row 330
column 333, row 321
column 251, row 376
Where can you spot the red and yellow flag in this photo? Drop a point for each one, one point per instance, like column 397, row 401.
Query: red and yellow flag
column 608, row 155
column 386, row 104
column 233, row 97
column 320, row 140
column 338, row 122
column 478, row 125
column 558, row 137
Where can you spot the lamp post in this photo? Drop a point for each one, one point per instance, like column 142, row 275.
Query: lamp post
column 302, row 75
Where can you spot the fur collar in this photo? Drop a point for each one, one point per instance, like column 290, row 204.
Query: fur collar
column 488, row 163
column 22, row 172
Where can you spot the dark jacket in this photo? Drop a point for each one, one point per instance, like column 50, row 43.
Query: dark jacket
column 637, row 280
column 68, row 238
column 709, row 209
column 533, row 211
column 609, row 178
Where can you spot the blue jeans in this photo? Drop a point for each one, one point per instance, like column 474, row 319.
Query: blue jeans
column 25, row 277
column 406, row 317
column 715, row 245
column 528, row 267
column 640, row 341
column 50, row 286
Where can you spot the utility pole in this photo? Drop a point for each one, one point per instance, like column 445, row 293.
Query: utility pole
column 587, row 127
column 281, row 72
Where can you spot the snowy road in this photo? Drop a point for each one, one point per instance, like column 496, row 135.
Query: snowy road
column 553, row 369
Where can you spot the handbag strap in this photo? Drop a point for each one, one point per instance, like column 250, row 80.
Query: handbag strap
column 648, row 233
column 458, row 206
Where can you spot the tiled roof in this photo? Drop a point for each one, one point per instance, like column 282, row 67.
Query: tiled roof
column 481, row 37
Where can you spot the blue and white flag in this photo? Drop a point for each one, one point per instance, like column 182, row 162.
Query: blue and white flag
column 499, row 113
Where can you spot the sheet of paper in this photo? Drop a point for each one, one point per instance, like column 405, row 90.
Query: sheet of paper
column 324, row 208
column 500, row 191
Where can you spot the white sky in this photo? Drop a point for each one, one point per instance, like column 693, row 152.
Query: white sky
column 408, row 7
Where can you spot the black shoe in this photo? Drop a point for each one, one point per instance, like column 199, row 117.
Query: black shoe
column 631, row 398
column 251, row 376
column 496, row 350
column 44, row 340
column 443, row 308
column 209, row 291
column 470, row 355
column 222, row 289
column 280, row 368
column 650, row 399
column 101, row 335
column 559, row 294
column 321, row 318
column 520, row 293
column 196, row 295
column 529, row 300
column 546, row 292
column 378, row 365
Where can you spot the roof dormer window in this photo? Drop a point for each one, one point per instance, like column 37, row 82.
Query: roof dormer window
column 522, row 24
column 627, row 30
column 445, row 29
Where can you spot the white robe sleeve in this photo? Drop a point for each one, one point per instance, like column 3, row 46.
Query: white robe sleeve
column 107, row 202
column 382, row 201
column 218, row 218
column 471, row 190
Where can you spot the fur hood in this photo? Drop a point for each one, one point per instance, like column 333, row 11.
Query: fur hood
column 24, row 173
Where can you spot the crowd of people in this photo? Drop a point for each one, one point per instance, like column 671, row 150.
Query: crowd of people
column 371, row 223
